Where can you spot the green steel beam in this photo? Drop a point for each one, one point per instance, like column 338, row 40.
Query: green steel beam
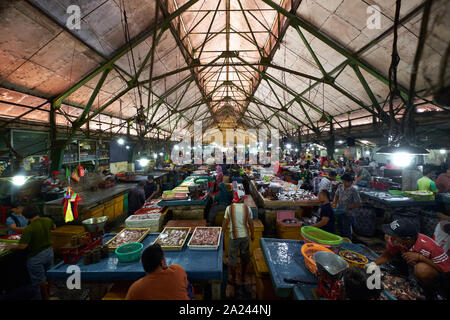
column 108, row 64
column 381, row 113
column 81, row 118
column 297, row 21
column 311, row 51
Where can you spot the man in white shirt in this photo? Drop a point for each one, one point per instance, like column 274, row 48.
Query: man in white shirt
column 239, row 216
column 326, row 183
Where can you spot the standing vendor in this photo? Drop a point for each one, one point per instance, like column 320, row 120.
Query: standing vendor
column 425, row 183
column 16, row 222
column 136, row 197
column 150, row 188
column 346, row 199
column 51, row 186
column 413, row 253
column 363, row 176
column 36, row 239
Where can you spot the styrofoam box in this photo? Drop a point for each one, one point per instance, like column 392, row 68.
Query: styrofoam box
column 153, row 221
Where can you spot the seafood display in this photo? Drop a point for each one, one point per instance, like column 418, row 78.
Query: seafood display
column 401, row 288
column 284, row 191
column 155, row 215
column 14, row 237
column 353, row 256
column 172, row 238
column 205, row 236
column 127, row 236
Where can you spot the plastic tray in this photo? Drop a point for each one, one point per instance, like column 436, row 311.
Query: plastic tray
column 173, row 248
column 320, row 236
column 147, row 230
column 205, row 247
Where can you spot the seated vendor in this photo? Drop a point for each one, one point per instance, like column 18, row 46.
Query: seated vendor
column 305, row 175
column 425, row 183
column 326, row 213
column 16, row 222
column 51, row 186
column 413, row 253
column 162, row 282
column 108, row 176
column 363, row 176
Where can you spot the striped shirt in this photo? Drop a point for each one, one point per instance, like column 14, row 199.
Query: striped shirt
column 426, row 247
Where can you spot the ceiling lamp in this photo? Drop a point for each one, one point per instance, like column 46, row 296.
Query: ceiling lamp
column 323, row 118
column 403, row 148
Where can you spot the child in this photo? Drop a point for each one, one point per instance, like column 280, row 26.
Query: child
column 326, row 222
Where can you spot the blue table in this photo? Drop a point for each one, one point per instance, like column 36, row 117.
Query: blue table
column 176, row 203
column 285, row 260
column 443, row 197
column 393, row 203
column 199, row 265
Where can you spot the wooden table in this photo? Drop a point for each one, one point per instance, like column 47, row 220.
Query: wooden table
column 271, row 207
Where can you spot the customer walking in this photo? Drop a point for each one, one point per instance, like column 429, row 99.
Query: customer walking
column 346, row 200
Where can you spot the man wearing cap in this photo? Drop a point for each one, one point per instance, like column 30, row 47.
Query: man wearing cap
column 16, row 222
column 239, row 215
column 414, row 253
column 51, row 186
column 346, row 199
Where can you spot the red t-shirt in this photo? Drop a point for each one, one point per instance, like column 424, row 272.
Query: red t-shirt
column 168, row 284
column 426, row 247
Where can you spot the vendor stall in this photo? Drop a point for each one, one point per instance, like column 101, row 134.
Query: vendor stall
column 286, row 262
column 199, row 265
column 102, row 202
column 271, row 207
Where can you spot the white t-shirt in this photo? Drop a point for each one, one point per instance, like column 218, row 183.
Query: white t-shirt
column 239, row 218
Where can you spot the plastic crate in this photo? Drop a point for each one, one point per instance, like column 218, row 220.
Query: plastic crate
column 205, row 247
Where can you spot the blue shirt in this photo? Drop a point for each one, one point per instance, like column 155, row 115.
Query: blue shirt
column 23, row 222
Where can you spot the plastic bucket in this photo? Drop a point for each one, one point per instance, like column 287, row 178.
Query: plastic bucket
column 129, row 252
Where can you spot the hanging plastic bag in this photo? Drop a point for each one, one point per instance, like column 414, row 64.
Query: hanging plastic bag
column 75, row 176
column 80, row 171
